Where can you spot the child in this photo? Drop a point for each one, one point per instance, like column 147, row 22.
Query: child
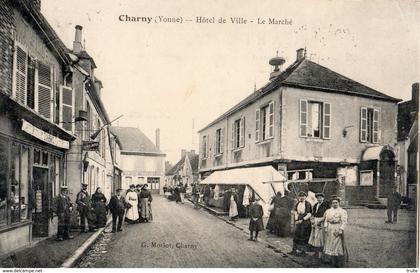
column 256, row 222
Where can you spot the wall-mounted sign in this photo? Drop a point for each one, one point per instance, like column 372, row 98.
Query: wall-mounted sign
column 366, row 178
column 91, row 145
column 44, row 136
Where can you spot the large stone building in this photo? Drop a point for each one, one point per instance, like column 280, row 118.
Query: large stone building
column 142, row 162
column 35, row 98
column 312, row 124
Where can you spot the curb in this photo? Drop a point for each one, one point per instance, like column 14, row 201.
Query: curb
column 73, row 259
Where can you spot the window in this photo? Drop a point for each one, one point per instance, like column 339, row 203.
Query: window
column 44, row 90
column 314, row 119
column 30, row 83
column 218, row 140
column 369, row 125
column 264, row 122
column 205, row 146
column 20, row 74
column 238, row 133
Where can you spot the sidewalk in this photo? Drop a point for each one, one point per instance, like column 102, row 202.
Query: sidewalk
column 47, row 253
column 370, row 241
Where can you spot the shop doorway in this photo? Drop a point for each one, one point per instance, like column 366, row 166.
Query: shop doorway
column 40, row 190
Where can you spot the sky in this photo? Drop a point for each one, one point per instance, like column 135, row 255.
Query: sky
column 179, row 77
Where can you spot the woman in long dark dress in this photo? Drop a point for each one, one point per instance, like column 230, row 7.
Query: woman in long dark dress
column 303, row 225
column 99, row 205
column 145, row 198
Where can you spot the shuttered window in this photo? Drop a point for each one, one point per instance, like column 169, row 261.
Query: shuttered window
column 363, row 124
column 375, row 126
column 44, row 90
column 238, row 133
column 67, row 108
column 222, row 133
column 326, row 124
column 30, row 83
column 242, row 132
column 303, row 118
column 257, row 125
column 271, row 120
column 21, row 62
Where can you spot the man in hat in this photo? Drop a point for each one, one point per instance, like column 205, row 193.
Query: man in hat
column 303, row 215
column 62, row 207
column 117, row 206
column 316, row 240
column 393, row 204
column 335, row 251
column 85, row 209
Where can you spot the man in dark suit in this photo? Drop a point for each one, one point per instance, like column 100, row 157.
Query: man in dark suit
column 394, row 202
column 117, row 206
column 84, row 207
column 62, row 206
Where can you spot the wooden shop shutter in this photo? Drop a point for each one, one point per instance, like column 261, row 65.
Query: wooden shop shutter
column 303, row 118
column 21, row 75
column 67, row 108
column 326, row 123
column 363, row 124
column 271, row 120
column 44, row 90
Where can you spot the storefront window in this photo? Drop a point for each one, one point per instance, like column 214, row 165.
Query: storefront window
column 3, row 180
column 14, row 196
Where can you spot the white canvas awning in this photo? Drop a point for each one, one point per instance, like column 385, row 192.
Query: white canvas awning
column 253, row 177
column 374, row 153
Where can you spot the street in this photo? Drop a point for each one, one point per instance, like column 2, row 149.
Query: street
column 181, row 236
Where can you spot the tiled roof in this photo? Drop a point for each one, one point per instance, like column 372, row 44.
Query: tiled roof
column 312, row 76
column 193, row 161
column 134, row 141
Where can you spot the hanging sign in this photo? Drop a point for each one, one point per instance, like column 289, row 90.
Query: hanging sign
column 44, row 136
column 90, row 145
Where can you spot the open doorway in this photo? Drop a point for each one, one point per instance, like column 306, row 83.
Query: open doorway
column 40, row 190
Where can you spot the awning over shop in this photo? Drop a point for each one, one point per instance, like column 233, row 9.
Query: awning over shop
column 374, row 153
column 256, row 178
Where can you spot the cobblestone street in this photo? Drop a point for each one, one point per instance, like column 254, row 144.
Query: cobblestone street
column 181, row 236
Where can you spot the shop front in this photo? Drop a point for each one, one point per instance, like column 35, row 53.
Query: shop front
column 32, row 168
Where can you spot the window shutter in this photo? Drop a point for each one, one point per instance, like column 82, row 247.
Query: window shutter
column 326, row 124
column 44, row 90
column 375, row 129
column 30, row 83
column 222, row 135
column 363, row 124
column 21, row 75
column 233, row 136
column 215, row 152
column 303, row 118
column 257, row 125
column 208, row 146
column 242, row 132
column 66, row 108
column 271, row 120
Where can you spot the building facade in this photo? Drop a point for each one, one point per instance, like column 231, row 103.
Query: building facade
column 36, row 94
column 142, row 162
column 185, row 170
column 312, row 124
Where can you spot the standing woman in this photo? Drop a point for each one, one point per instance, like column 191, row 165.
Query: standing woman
column 132, row 200
column 303, row 225
column 317, row 220
column 99, row 205
column 335, row 250
column 233, row 208
column 146, row 204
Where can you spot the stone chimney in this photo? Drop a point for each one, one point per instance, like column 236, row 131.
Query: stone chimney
column 300, row 54
column 157, row 143
column 415, row 95
column 37, row 5
column 183, row 153
column 77, row 43
column 98, row 87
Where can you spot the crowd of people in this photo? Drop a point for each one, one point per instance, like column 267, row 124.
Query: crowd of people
column 134, row 207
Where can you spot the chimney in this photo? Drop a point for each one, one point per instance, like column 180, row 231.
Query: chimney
column 157, row 138
column 77, row 43
column 300, row 54
column 98, row 87
column 415, row 94
column 37, row 5
column 183, row 153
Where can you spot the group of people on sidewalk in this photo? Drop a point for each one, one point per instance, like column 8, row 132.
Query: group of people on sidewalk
column 139, row 204
column 319, row 228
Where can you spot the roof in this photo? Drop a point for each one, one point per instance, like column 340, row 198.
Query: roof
column 312, row 76
column 134, row 141
column 84, row 55
column 193, row 158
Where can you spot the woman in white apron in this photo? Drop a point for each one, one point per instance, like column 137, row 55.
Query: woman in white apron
column 131, row 198
column 233, row 208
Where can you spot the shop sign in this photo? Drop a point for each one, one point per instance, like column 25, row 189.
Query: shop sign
column 44, row 136
column 38, row 201
column 90, row 145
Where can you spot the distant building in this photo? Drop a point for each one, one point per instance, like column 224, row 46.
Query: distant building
column 408, row 144
column 141, row 161
column 185, row 170
column 311, row 124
